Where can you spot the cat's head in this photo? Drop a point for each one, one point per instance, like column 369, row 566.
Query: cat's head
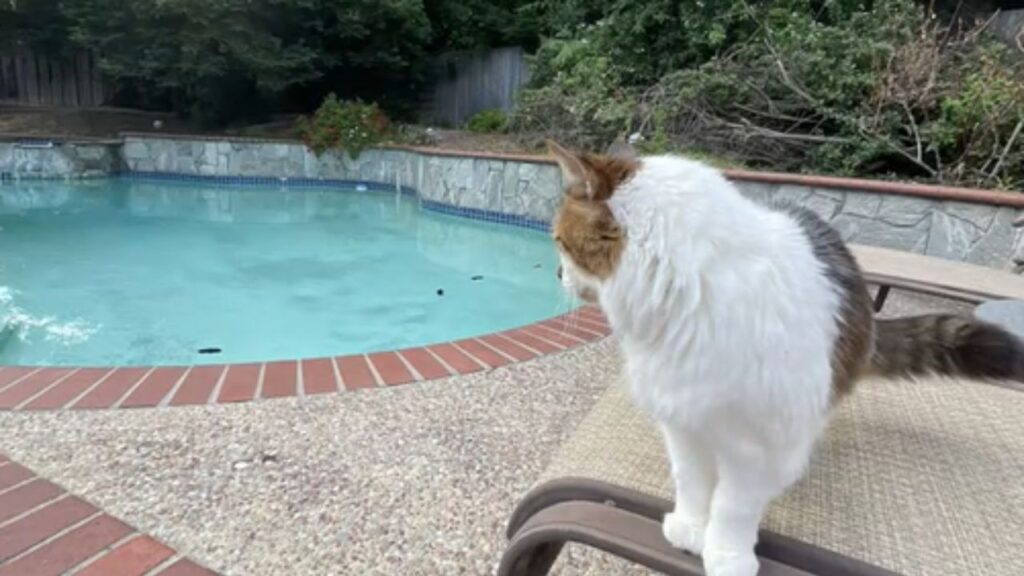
column 590, row 241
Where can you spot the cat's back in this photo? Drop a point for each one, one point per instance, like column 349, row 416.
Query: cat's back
column 696, row 199
column 674, row 174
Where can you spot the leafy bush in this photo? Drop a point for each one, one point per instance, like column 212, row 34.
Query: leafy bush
column 488, row 121
column 578, row 96
column 469, row 24
column 351, row 126
column 222, row 60
column 836, row 86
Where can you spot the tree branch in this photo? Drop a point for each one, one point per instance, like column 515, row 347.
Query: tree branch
column 769, row 133
column 1006, row 149
column 913, row 127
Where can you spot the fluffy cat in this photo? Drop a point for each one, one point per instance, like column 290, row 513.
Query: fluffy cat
column 741, row 325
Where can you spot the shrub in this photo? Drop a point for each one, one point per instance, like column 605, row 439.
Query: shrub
column 577, row 97
column 845, row 87
column 488, row 121
column 351, row 126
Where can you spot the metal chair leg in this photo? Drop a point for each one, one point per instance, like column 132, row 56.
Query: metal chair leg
column 880, row 296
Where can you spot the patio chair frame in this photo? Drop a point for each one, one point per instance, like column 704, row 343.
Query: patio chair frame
column 627, row 523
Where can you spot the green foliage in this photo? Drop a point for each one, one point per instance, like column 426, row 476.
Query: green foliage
column 351, row 126
column 649, row 38
column 487, row 121
column 578, row 97
column 217, row 59
column 564, row 18
column 467, row 24
column 979, row 125
column 222, row 60
column 39, row 23
column 835, row 86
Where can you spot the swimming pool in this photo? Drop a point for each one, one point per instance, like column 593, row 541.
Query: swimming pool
column 128, row 271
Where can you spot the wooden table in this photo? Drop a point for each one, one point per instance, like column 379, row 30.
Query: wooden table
column 934, row 276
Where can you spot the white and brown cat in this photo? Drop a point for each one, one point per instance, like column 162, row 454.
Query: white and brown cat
column 742, row 325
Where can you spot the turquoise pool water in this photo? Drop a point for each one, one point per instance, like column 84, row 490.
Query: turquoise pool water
column 129, row 272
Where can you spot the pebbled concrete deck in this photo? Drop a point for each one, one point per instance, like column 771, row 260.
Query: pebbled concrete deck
column 417, row 479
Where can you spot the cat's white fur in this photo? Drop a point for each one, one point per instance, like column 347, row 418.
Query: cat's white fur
column 727, row 322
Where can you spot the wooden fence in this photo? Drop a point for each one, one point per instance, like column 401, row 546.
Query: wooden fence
column 463, row 83
column 30, row 78
column 468, row 82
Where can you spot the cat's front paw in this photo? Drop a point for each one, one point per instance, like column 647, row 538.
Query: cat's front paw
column 684, row 532
column 719, row 562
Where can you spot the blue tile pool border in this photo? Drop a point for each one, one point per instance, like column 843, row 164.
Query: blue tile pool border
column 486, row 215
column 492, row 216
column 303, row 182
column 296, row 181
column 9, row 178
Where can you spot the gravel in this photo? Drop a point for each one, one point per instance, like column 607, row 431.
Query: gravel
column 416, row 479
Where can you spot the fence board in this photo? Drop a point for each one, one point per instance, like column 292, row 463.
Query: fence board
column 82, row 80
column 466, row 83
column 100, row 90
column 8, row 78
column 30, row 78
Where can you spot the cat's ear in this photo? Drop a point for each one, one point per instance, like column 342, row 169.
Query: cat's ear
column 621, row 149
column 578, row 176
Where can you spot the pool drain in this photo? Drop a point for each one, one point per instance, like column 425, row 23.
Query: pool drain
column 209, row 350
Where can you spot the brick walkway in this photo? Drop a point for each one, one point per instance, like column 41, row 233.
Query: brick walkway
column 45, row 531
column 61, row 388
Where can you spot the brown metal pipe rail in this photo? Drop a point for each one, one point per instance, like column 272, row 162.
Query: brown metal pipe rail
column 627, row 523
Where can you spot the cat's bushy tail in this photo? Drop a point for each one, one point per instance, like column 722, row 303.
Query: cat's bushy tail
column 948, row 344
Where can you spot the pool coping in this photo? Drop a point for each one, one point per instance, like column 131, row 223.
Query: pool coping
column 60, row 531
column 57, row 388
column 939, row 191
column 346, row 185
column 36, row 388
column 42, row 388
column 895, row 187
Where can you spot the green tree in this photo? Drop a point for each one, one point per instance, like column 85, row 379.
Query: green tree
column 466, row 24
column 835, row 86
column 210, row 58
column 376, row 50
column 216, row 59
column 39, row 23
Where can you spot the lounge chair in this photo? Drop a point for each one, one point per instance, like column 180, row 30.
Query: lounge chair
column 916, row 478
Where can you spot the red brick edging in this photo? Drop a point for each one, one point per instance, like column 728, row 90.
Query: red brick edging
column 63, row 388
column 45, row 531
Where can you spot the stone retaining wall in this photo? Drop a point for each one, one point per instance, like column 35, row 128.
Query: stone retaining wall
column 522, row 188
column 981, row 233
column 972, row 232
column 58, row 159
column 977, row 233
